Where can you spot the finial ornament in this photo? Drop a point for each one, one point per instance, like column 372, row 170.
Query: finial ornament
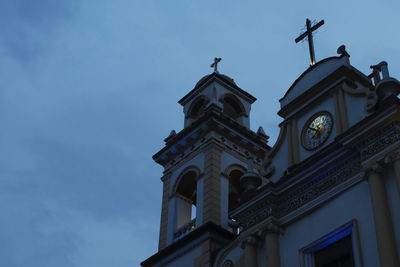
column 171, row 135
column 260, row 131
column 309, row 35
column 215, row 64
column 381, row 67
column 342, row 51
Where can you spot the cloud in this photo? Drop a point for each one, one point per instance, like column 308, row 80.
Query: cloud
column 47, row 234
column 28, row 27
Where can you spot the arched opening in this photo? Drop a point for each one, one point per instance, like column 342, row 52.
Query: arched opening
column 187, row 187
column 185, row 203
column 235, row 188
column 197, row 107
column 232, row 107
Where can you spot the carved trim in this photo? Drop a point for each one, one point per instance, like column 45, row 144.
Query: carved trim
column 382, row 138
column 392, row 157
column 251, row 240
column 278, row 206
column 317, row 187
column 273, row 228
column 233, row 167
column 227, row 263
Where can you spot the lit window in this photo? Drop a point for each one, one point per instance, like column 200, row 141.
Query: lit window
column 340, row 248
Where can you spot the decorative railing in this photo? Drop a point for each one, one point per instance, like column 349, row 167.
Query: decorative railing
column 185, row 229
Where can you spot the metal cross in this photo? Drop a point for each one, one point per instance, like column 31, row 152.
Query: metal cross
column 215, row 64
column 309, row 36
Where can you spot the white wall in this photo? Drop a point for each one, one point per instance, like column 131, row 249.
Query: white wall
column 228, row 160
column 187, row 259
column 280, row 161
column 355, row 203
column 394, row 202
column 355, row 108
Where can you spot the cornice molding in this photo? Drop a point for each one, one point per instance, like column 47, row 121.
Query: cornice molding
column 212, row 128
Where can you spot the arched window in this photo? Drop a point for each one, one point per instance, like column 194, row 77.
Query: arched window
column 197, row 107
column 185, row 202
column 232, row 106
column 186, row 187
column 235, row 188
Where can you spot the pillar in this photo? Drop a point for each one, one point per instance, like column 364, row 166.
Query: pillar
column 164, row 213
column 199, row 201
column 394, row 158
column 250, row 251
column 212, row 185
column 272, row 246
column 383, row 220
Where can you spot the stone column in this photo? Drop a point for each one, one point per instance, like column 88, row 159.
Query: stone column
column 383, row 220
column 164, row 212
column 272, row 246
column 212, row 185
column 394, row 158
column 250, row 251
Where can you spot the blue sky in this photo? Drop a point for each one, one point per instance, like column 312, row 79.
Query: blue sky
column 89, row 90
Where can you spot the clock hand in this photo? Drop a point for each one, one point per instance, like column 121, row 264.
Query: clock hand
column 316, row 130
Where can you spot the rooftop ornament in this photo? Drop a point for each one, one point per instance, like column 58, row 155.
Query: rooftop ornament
column 309, row 35
column 215, row 64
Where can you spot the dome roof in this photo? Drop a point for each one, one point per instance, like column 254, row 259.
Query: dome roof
column 217, row 74
column 223, row 79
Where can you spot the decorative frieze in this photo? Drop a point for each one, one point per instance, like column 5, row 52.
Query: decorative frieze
column 318, row 186
column 292, row 199
column 382, row 139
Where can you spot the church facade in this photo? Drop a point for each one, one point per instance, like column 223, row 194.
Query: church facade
column 326, row 194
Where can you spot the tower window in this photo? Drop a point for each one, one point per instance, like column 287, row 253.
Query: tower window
column 185, row 204
column 232, row 107
column 197, row 107
column 187, row 187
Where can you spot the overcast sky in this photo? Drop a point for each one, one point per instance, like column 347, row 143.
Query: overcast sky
column 89, row 90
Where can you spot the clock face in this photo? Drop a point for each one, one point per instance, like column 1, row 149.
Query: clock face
column 317, row 130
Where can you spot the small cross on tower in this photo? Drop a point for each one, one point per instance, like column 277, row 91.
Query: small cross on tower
column 215, row 64
column 308, row 34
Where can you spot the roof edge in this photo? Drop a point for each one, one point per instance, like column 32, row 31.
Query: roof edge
column 221, row 77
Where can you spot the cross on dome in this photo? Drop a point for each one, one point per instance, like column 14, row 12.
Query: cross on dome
column 215, row 64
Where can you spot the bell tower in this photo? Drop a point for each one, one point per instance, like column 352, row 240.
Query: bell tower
column 203, row 165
